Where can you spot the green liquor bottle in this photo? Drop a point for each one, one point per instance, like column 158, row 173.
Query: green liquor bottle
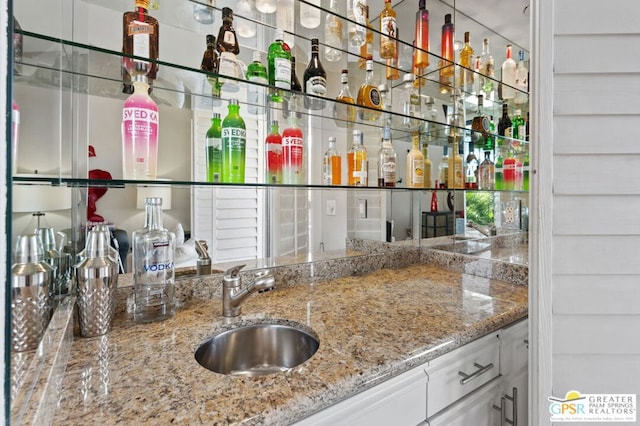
column 499, row 171
column 519, row 130
column 279, row 60
column 256, row 73
column 214, row 149
column 234, row 142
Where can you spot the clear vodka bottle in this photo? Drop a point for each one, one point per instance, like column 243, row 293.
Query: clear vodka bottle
column 153, row 267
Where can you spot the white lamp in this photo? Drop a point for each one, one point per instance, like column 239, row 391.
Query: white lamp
column 40, row 198
column 155, row 191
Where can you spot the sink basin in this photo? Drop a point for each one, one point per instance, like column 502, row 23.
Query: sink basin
column 257, row 349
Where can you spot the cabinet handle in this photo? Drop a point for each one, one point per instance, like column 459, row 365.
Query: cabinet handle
column 503, row 409
column 481, row 369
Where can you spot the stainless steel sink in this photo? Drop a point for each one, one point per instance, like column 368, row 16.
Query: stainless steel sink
column 257, row 349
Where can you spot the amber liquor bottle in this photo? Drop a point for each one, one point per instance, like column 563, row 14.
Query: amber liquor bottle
column 140, row 35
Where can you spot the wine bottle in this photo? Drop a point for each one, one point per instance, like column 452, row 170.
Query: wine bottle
column 487, row 69
column 210, row 64
column 315, row 79
column 466, row 76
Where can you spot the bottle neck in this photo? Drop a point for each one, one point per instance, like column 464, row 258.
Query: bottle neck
column 153, row 218
column 234, row 109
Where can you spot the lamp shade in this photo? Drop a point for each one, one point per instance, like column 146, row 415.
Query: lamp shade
column 156, row 191
column 40, row 198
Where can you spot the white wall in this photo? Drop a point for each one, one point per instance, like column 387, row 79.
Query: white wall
column 585, row 274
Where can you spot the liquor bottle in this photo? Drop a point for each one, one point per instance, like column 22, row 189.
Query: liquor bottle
column 332, row 165
column 427, row 167
column 508, row 76
column 480, row 125
column 333, row 33
column 292, row 153
column 315, row 79
column 273, row 148
column 279, row 61
column 477, row 75
column 388, row 31
column 227, row 45
column 357, row 162
column 356, row 30
column 366, row 50
column 214, row 149
column 512, row 172
column 421, row 40
column 487, row 69
column 256, row 73
column 140, row 125
column 431, row 128
column 446, row 50
column 227, row 41
column 393, row 71
column 310, row 14
column 471, row 168
column 17, row 48
column 415, row 164
column 443, row 168
column 434, row 199
column 411, row 117
column 153, row 267
column 525, row 173
column 140, row 35
column 234, row 141
column 498, row 181
column 369, row 96
column 347, row 110
column 466, row 76
column 456, row 168
column 519, row 131
column 386, row 161
column 210, row 64
column 266, row 6
column 522, row 81
column 504, row 127
column 486, row 173
column 285, row 21
column 292, row 101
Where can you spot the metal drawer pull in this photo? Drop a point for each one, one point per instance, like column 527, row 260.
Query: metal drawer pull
column 466, row 378
column 503, row 409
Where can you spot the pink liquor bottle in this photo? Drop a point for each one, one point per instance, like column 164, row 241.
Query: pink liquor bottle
column 140, row 123
column 15, row 128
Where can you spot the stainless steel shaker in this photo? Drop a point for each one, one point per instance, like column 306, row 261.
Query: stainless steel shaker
column 31, row 278
column 57, row 260
column 96, row 281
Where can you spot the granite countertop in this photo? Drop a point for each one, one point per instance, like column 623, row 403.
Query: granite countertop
column 370, row 327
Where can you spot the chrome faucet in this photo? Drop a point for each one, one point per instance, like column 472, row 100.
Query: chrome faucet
column 233, row 294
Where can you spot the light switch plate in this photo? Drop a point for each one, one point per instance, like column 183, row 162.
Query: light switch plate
column 331, row 207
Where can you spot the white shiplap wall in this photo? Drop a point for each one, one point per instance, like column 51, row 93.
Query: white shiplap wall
column 592, row 151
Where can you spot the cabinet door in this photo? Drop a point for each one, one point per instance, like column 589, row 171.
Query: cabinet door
column 477, row 408
column 514, row 368
column 399, row 401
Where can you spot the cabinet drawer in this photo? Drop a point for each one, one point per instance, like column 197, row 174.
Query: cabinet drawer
column 515, row 349
column 457, row 373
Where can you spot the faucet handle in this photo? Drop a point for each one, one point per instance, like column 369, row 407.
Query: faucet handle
column 233, row 272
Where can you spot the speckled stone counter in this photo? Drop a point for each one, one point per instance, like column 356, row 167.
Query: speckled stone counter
column 370, row 327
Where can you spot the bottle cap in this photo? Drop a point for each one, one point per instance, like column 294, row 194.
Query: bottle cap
column 153, row 201
column 518, row 112
column 274, row 123
column 211, row 39
column 216, row 115
column 409, row 77
column 279, row 34
column 447, row 18
column 233, row 102
column 422, row 4
column 227, row 12
column 386, row 133
column 332, row 139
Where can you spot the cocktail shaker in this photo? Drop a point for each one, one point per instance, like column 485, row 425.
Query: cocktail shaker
column 31, row 278
column 57, row 260
column 96, row 281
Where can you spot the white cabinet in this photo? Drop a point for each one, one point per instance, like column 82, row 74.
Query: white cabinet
column 464, row 387
column 401, row 400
